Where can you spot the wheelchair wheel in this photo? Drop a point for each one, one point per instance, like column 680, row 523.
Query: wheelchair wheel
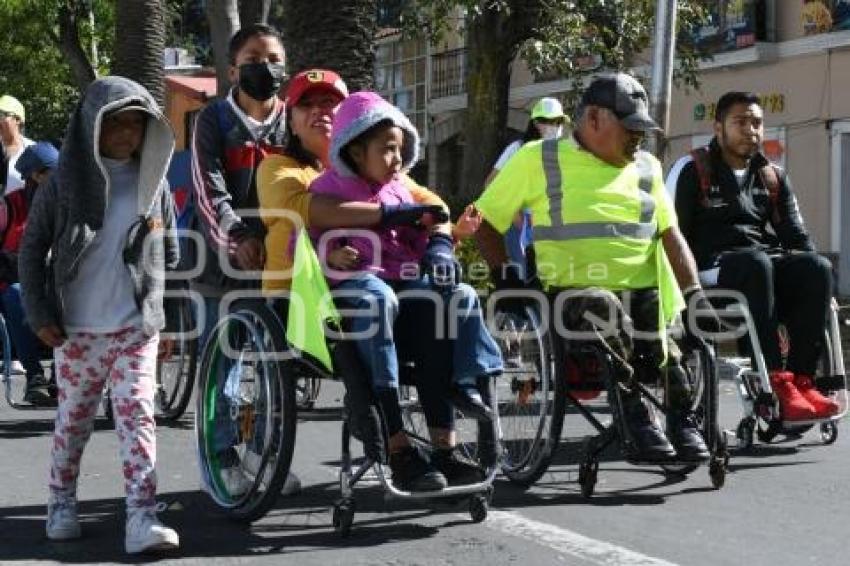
column 175, row 375
column 245, row 419
column 530, row 413
column 14, row 387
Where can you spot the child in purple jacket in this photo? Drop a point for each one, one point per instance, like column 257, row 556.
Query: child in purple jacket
column 376, row 272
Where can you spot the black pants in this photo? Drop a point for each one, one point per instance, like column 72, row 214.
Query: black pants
column 794, row 289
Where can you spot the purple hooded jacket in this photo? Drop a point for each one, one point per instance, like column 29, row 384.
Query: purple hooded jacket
column 399, row 246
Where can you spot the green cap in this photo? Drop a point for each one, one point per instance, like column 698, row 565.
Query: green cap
column 11, row 105
column 547, row 108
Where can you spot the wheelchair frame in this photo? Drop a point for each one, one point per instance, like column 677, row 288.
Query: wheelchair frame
column 761, row 417
column 551, row 379
column 285, row 365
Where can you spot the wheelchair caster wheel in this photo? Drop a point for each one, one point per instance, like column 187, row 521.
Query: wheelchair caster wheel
column 587, row 477
column 745, row 433
column 766, row 434
column 478, row 507
column 828, row 432
column 717, row 472
column 343, row 516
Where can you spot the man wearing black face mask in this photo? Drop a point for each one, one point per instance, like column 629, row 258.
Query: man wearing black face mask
column 232, row 136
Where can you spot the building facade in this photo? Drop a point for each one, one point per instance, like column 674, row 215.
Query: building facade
column 794, row 53
column 800, row 68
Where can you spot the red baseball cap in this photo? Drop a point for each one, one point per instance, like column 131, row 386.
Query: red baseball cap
column 314, row 79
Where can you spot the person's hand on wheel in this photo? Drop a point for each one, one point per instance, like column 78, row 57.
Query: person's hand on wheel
column 700, row 318
column 51, row 335
column 250, row 254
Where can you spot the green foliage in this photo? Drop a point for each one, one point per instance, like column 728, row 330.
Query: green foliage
column 32, row 68
column 475, row 269
column 569, row 39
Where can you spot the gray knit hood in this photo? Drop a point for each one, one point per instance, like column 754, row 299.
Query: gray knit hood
column 81, row 172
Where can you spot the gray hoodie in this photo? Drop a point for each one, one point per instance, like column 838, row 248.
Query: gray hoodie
column 67, row 214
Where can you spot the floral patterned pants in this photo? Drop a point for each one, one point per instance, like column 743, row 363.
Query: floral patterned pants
column 84, row 363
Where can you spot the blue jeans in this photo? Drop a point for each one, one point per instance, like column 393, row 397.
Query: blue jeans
column 225, row 434
column 23, row 338
column 474, row 352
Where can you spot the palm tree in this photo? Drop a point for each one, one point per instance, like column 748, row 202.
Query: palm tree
column 139, row 44
column 333, row 35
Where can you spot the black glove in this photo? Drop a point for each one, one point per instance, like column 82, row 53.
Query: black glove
column 507, row 278
column 439, row 261
column 410, row 214
column 700, row 318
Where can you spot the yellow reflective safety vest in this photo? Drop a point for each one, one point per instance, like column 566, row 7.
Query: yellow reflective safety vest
column 599, row 230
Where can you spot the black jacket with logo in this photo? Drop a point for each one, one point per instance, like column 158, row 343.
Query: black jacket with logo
column 734, row 218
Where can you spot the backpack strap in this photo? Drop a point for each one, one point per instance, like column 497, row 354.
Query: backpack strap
column 703, row 164
column 770, row 179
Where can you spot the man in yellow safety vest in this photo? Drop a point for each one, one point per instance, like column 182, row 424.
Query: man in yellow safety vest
column 605, row 226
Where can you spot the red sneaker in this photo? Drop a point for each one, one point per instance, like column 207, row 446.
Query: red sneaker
column 792, row 404
column 824, row 406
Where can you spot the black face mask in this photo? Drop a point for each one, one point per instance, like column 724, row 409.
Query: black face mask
column 261, row 81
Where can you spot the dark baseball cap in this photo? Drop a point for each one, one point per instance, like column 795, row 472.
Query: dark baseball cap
column 623, row 95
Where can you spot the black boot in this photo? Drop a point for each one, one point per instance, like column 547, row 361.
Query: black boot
column 412, row 471
column 457, row 468
column 649, row 444
column 38, row 391
column 684, row 433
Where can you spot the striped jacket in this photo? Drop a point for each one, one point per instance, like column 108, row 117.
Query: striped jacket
column 225, row 157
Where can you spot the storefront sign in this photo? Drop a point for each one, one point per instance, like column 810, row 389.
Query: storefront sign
column 823, row 16
column 731, row 25
column 771, row 103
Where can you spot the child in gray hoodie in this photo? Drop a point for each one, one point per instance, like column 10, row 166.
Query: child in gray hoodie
column 92, row 266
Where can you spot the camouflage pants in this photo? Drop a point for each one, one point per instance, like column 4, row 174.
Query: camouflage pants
column 627, row 322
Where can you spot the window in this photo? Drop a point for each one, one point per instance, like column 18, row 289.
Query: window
column 400, row 77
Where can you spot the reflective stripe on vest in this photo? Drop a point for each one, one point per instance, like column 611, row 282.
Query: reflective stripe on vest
column 645, row 229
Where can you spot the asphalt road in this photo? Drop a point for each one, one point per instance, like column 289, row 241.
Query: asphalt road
column 784, row 503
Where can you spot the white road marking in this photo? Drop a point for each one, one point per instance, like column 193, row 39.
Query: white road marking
column 568, row 542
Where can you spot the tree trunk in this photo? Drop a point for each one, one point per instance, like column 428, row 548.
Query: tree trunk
column 254, row 11
column 490, row 53
column 332, row 35
column 139, row 44
column 68, row 43
column 223, row 17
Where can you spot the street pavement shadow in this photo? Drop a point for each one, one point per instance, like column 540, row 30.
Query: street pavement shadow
column 296, row 524
column 34, row 428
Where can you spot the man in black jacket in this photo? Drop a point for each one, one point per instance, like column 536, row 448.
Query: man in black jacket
column 740, row 217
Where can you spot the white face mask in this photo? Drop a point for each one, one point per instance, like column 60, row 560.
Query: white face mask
column 550, row 131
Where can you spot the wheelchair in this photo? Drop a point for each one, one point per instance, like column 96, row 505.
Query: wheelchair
column 14, row 385
column 545, row 374
column 761, row 417
column 248, row 346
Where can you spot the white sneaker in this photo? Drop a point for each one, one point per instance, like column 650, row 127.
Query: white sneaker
column 251, row 464
column 62, row 521
column 15, row 368
column 235, row 481
column 144, row 533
